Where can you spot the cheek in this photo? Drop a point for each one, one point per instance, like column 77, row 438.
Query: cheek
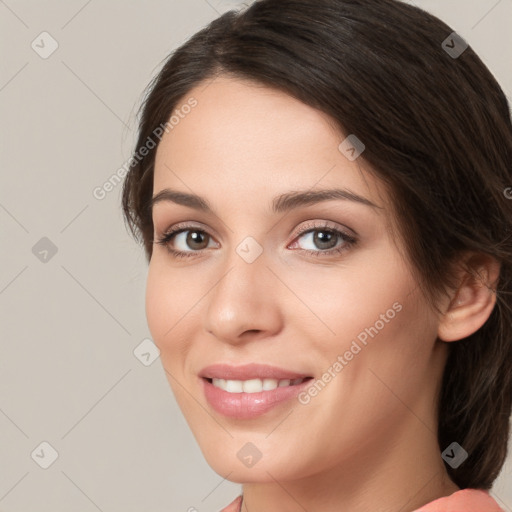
column 374, row 311
column 169, row 307
column 157, row 303
column 386, row 335
column 350, row 299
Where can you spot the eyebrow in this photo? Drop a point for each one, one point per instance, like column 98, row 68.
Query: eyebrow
column 280, row 204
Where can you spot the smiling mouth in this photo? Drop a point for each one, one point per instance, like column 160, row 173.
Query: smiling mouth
column 254, row 385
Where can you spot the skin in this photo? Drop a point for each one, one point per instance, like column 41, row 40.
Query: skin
column 368, row 440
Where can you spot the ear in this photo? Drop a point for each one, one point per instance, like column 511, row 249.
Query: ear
column 472, row 303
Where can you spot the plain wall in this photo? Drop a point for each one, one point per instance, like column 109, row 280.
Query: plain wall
column 70, row 321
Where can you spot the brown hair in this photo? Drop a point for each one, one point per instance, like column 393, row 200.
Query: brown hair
column 437, row 132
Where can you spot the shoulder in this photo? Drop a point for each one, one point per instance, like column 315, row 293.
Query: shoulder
column 465, row 500
column 234, row 506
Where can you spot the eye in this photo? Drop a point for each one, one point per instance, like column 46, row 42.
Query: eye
column 318, row 239
column 323, row 240
column 186, row 241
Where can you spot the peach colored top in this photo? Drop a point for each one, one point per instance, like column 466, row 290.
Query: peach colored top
column 465, row 500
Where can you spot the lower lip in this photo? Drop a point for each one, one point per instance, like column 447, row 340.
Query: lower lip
column 249, row 405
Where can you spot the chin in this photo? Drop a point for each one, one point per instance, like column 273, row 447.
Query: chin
column 239, row 461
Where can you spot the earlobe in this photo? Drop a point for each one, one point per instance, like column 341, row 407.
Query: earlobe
column 473, row 301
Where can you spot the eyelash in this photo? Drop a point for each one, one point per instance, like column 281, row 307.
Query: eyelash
column 349, row 240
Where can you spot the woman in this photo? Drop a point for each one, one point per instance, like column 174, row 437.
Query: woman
column 327, row 221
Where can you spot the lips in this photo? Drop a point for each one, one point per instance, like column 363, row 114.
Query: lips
column 246, row 406
column 227, row 394
column 249, row 371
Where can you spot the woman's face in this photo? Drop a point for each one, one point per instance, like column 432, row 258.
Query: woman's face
column 316, row 287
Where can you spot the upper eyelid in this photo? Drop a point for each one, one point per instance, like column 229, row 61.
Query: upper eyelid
column 311, row 225
column 299, row 212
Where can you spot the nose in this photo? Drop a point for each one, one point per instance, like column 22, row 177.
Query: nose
column 244, row 304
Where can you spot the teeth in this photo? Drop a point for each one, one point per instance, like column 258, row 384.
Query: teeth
column 234, row 386
column 252, row 385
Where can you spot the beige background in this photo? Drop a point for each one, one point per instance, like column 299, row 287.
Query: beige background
column 70, row 321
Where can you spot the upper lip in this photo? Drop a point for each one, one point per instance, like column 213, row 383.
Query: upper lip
column 248, row 371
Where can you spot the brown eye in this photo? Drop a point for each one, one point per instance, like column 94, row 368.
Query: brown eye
column 185, row 241
column 196, row 239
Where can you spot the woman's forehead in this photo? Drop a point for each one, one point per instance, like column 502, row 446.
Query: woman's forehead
column 246, row 136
